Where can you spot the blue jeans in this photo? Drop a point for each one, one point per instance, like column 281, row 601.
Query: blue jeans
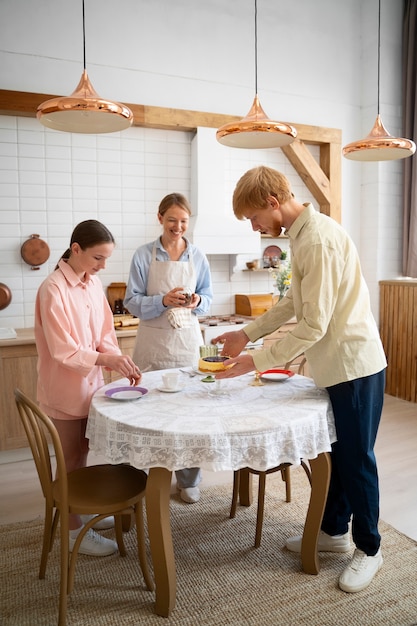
column 354, row 489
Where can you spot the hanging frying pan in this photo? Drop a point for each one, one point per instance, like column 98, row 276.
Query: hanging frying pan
column 5, row 296
column 35, row 251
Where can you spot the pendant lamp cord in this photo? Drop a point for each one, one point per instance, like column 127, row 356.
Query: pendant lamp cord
column 256, row 47
column 379, row 49
column 84, row 35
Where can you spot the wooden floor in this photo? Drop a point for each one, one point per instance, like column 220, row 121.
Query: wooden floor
column 21, row 498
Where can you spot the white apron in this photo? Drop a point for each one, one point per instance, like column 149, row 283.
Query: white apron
column 159, row 344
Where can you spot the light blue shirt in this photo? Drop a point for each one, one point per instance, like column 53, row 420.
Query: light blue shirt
column 148, row 307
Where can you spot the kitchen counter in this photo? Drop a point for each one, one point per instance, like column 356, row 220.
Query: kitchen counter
column 18, row 361
column 26, row 336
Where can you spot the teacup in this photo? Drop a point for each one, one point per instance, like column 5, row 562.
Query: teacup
column 170, row 380
column 188, row 296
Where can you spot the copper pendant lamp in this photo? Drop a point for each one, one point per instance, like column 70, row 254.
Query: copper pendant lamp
column 84, row 111
column 256, row 130
column 379, row 145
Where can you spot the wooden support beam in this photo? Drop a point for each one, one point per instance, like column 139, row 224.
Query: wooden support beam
column 322, row 179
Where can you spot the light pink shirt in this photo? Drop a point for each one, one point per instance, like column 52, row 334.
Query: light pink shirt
column 73, row 323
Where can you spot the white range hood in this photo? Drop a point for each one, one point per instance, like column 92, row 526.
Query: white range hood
column 213, row 227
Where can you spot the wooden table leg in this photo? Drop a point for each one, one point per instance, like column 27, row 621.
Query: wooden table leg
column 158, row 491
column 320, row 479
column 245, row 487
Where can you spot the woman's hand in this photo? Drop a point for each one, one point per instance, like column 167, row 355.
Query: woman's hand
column 233, row 342
column 175, row 297
column 122, row 364
column 195, row 301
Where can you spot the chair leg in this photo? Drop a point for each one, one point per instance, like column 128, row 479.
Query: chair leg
column 73, row 556
column 286, row 477
column 47, row 540
column 64, row 566
column 261, row 506
column 118, row 530
column 140, row 535
column 236, row 483
column 307, row 470
column 127, row 522
column 54, row 528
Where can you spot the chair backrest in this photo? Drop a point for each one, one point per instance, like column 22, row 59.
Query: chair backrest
column 297, row 364
column 38, row 426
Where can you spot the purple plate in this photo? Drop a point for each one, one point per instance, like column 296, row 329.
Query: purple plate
column 126, row 393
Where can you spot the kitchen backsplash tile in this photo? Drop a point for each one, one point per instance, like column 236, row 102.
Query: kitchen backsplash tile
column 50, row 181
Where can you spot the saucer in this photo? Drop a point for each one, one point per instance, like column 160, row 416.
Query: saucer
column 166, row 390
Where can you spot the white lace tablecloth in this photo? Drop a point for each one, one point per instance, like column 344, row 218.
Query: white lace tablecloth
column 245, row 426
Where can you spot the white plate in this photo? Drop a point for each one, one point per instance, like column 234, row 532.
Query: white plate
column 126, row 393
column 165, row 390
column 277, row 374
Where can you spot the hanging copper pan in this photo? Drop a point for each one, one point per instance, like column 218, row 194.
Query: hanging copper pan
column 35, row 251
column 5, row 296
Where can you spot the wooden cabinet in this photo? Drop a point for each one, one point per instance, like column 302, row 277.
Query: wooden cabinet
column 398, row 329
column 18, row 359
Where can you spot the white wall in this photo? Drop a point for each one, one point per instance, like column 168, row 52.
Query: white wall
column 316, row 65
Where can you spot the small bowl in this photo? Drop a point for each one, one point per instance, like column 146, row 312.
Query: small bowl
column 251, row 265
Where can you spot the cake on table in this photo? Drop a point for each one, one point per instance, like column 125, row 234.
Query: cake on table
column 212, row 364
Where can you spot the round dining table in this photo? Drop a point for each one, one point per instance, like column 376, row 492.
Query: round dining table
column 230, row 424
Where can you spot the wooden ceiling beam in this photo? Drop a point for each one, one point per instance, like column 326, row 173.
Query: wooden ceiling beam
column 323, row 179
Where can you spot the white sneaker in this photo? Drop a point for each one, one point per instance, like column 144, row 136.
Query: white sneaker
column 326, row 543
column 189, row 494
column 94, row 544
column 359, row 574
column 103, row 524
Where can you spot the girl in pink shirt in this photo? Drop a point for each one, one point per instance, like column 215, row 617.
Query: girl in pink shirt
column 75, row 338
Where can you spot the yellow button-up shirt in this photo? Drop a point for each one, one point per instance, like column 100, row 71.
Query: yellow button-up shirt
column 73, row 323
column 330, row 300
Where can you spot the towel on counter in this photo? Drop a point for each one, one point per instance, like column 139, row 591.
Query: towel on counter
column 180, row 318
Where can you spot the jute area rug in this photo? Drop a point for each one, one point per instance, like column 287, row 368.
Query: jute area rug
column 222, row 578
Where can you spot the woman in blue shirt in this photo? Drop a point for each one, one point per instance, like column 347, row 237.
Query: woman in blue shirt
column 162, row 273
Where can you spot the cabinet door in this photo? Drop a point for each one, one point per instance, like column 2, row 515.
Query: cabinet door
column 18, row 369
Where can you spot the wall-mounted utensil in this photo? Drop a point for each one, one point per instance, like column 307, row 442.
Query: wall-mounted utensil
column 35, row 252
column 5, row 296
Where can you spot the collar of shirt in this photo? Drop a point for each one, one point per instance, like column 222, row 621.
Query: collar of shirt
column 164, row 253
column 298, row 224
column 70, row 276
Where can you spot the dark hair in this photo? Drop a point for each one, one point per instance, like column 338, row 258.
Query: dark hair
column 174, row 199
column 88, row 234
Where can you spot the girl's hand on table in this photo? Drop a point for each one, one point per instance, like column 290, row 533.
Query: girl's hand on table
column 122, row 364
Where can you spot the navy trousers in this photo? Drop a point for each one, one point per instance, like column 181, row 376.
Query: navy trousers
column 354, row 490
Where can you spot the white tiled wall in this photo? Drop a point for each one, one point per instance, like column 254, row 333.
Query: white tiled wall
column 50, row 181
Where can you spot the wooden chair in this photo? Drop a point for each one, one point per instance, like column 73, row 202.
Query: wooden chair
column 101, row 490
column 298, row 365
